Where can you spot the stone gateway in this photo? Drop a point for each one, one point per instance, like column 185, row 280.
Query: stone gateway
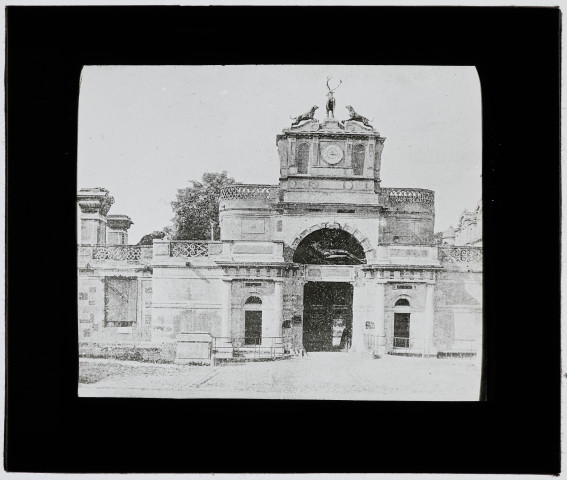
column 326, row 260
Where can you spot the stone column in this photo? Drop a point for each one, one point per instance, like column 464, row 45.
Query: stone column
column 380, row 329
column 226, row 298
column 429, row 320
column 278, row 309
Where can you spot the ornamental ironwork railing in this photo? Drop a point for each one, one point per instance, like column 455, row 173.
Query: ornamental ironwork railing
column 460, row 254
column 237, row 192
column 409, row 195
column 248, row 347
column 189, row 249
column 117, row 252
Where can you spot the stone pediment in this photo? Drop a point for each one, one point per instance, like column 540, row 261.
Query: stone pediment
column 332, row 125
column 309, row 126
column 357, row 127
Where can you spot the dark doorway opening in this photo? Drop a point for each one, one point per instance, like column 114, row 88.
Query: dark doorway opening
column 327, row 316
column 252, row 327
column 401, row 330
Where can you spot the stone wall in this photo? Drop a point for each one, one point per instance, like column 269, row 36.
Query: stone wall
column 185, row 300
column 243, row 290
column 97, row 316
column 458, row 307
column 415, row 294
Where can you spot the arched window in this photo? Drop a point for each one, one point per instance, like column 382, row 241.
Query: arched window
column 302, row 158
column 402, row 302
column 358, row 159
column 253, row 300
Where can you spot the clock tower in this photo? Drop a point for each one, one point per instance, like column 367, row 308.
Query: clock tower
column 330, row 162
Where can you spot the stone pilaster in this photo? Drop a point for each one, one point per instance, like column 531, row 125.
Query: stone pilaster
column 226, row 302
column 348, row 154
column 278, row 309
column 429, row 317
column 380, row 330
column 369, row 157
column 315, row 149
column 361, row 311
column 94, row 204
column 379, row 146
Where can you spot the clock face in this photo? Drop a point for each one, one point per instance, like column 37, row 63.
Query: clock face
column 332, row 154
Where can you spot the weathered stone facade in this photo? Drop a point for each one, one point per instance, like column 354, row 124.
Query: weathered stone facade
column 384, row 285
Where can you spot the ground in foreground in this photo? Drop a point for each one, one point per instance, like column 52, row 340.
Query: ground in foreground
column 318, row 376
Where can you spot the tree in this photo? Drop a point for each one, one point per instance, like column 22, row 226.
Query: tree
column 197, row 206
column 149, row 238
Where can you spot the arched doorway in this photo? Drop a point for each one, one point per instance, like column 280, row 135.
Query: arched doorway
column 327, row 305
column 253, row 321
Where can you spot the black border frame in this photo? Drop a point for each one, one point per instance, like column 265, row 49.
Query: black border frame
column 517, row 430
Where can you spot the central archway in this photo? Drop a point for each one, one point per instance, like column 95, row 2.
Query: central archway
column 327, row 305
column 329, row 246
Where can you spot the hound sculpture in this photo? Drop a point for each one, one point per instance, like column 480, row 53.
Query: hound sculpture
column 358, row 118
column 304, row 116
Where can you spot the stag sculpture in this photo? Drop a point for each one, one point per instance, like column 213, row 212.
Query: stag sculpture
column 331, row 99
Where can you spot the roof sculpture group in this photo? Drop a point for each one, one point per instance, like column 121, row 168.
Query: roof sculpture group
column 330, row 108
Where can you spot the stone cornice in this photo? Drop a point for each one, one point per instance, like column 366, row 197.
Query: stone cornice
column 94, row 200
column 332, row 134
column 377, row 266
column 119, row 222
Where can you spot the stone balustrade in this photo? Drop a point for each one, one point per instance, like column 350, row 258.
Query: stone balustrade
column 408, row 195
column 121, row 252
column 450, row 254
column 252, row 191
column 194, row 248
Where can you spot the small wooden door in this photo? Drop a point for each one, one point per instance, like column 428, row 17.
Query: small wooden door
column 252, row 327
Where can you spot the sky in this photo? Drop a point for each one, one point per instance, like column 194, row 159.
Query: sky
column 145, row 131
